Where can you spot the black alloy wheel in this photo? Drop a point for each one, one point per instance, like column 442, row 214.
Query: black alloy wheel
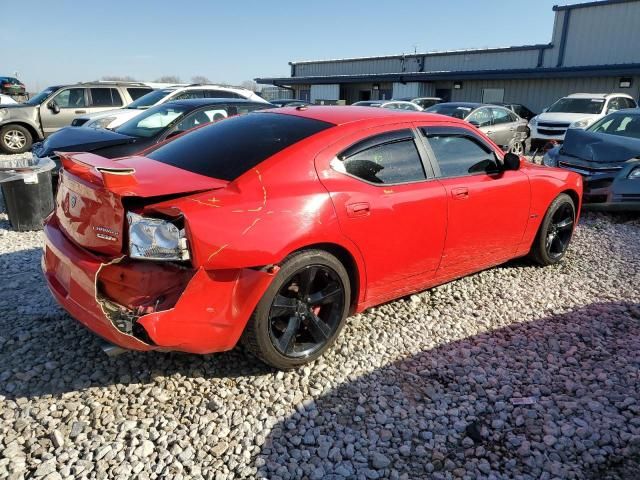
column 302, row 312
column 555, row 232
column 559, row 231
column 306, row 311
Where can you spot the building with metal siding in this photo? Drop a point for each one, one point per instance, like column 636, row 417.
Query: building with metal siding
column 594, row 48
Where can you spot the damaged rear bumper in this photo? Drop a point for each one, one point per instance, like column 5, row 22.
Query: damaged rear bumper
column 151, row 305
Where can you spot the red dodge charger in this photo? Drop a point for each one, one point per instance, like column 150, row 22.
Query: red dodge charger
column 272, row 227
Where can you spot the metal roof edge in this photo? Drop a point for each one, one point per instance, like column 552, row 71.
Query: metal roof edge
column 597, row 3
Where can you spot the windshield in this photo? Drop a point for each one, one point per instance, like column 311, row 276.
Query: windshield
column 618, row 124
column 225, row 150
column 456, row 111
column 578, row 105
column 150, row 99
column 39, row 98
column 153, row 121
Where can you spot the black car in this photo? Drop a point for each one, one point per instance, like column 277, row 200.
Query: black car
column 149, row 128
column 289, row 102
column 607, row 155
column 518, row 109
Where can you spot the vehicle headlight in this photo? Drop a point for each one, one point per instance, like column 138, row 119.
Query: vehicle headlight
column 635, row 173
column 155, row 239
column 584, row 123
column 533, row 122
column 101, row 122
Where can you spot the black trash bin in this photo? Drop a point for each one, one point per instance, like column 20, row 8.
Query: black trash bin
column 26, row 188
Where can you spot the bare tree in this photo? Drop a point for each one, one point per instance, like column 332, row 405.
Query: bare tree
column 250, row 85
column 168, row 79
column 200, row 79
column 118, row 78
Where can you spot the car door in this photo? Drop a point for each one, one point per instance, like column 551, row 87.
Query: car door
column 71, row 103
column 388, row 205
column 488, row 209
column 503, row 127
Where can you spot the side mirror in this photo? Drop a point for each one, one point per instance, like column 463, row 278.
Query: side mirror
column 511, row 161
column 474, row 123
column 53, row 106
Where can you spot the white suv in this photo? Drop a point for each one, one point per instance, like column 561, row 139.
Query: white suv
column 578, row 110
column 114, row 118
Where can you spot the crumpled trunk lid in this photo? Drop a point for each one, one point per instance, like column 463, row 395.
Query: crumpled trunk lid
column 93, row 192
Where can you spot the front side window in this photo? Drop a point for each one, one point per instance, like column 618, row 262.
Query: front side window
column 226, row 150
column 395, row 161
column 71, row 98
column 459, row 155
column 480, row 118
column 105, row 97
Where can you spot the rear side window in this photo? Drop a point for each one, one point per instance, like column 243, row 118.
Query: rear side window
column 105, row 97
column 459, row 155
column 188, row 94
column 220, row 94
column 137, row 92
column 226, row 150
column 375, row 160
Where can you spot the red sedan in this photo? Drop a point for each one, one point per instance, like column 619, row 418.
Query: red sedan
column 273, row 227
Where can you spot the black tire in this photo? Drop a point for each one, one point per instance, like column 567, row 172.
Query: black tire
column 295, row 310
column 556, row 230
column 15, row 139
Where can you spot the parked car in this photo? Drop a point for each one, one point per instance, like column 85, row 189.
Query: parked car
column 114, row 118
column 500, row 124
column 393, row 104
column 423, row 102
column 56, row 107
column 261, row 227
column 7, row 100
column 607, row 155
column 289, row 102
column 518, row 109
column 12, row 87
column 151, row 127
column 578, row 110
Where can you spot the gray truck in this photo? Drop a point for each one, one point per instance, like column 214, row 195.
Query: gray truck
column 56, row 107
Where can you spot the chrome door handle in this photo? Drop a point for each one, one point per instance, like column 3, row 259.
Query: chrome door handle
column 81, row 111
column 360, row 209
column 460, row 193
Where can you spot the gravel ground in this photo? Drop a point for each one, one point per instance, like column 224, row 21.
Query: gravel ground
column 515, row 372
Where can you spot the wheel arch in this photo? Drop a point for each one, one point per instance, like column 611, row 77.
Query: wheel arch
column 35, row 135
column 575, row 197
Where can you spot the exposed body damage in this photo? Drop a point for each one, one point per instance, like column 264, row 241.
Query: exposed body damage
column 242, row 231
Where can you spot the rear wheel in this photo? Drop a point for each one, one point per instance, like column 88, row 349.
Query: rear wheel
column 15, row 139
column 555, row 232
column 517, row 148
column 302, row 312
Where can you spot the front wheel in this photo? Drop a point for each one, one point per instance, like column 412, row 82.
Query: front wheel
column 555, row 232
column 15, row 139
column 302, row 312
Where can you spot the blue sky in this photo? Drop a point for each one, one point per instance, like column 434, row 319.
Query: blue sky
column 69, row 41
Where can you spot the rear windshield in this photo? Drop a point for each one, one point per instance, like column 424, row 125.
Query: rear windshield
column 456, row 111
column 150, row 98
column 227, row 149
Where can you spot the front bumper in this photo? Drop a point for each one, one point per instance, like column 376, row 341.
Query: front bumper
column 606, row 186
column 209, row 315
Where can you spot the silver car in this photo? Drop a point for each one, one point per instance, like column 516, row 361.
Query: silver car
column 500, row 124
column 393, row 104
column 56, row 107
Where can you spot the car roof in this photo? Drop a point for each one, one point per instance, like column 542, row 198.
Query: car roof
column 212, row 101
column 464, row 104
column 340, row 115
column 598, row 95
